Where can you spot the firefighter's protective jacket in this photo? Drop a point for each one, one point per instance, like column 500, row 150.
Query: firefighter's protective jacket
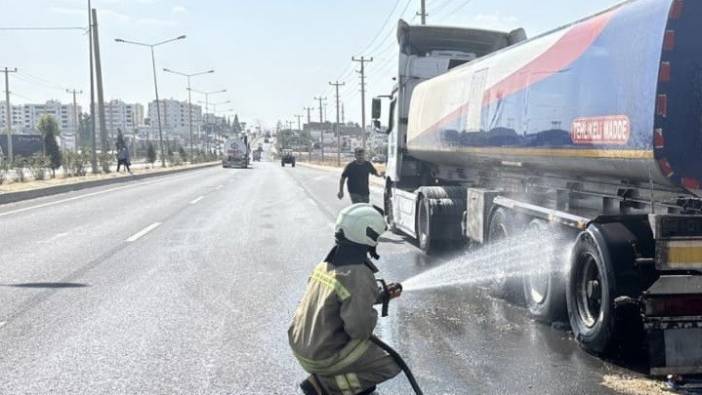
column 333, row 322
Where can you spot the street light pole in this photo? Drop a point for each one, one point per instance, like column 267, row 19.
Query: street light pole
column 158, row 103
column 190, row 103
column 207, row 95
column 158, row 110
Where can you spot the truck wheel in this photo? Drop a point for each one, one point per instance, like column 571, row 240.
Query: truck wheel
column 501, row 227
column 293, row 164
column 424, row 227
column 590, row 291
column 282, row 164
column 544, row 292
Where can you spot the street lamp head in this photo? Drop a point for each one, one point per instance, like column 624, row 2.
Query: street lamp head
column 180, row 37
column 119, row 40
column 210, row 71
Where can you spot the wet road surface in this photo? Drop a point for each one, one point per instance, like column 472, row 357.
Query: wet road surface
column 186, row 284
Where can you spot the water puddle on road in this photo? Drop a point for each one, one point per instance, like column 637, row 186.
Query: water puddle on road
column 530, row 253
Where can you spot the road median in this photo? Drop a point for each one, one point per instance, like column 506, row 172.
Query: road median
column 76, row 184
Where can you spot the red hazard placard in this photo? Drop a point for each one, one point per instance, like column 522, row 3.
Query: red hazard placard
column 614, row 129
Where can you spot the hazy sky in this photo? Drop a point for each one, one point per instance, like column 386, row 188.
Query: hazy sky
column 273, row 56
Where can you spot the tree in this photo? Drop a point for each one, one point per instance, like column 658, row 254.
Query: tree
column 236, row 126
column 48, row 127
column 84, row 131
column 120, row 139
column 150, row 153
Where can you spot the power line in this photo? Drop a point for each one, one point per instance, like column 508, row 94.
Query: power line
column 25, row 28
column 382, row 27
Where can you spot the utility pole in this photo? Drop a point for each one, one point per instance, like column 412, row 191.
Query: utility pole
column 336, row 85
column 8, row 120
column 309, row 117
column 309, row 121
column 321, row 121
column 76, row 119
column 98, row 81
column 299, row 118
column 423, row 11
column 363, row 60
column 343, row 117
column 93, row 157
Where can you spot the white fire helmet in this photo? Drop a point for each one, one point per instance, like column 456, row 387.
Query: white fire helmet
column 361, row 223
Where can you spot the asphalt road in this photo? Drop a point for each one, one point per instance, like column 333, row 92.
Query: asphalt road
column 186, row 284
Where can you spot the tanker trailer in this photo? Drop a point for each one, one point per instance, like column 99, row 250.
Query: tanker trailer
column 593, row 130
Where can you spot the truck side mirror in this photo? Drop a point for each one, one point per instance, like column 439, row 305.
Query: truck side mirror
column 376, row 126
column 375, row 108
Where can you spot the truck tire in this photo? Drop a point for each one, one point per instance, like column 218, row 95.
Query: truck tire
column 502, row 226
column 544, row 293
column 602, row 270
column 282, row 164
column 293, row 163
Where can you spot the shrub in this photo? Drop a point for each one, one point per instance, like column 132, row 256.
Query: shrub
column 20, row 164
column 150, row 153
column 37, row 166
column 106, row 161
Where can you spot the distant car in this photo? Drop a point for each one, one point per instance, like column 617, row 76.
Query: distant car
column 378, row 159
column 287, row 157
column 256, row 155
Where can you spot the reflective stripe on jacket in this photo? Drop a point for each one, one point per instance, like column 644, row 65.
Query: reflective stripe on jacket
column 334, row 320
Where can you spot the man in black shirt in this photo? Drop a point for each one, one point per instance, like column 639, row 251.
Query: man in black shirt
column 357, row 174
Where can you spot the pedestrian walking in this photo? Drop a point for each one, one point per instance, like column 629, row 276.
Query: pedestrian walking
column 355, row 176
column 123, row 159
column 330, row 334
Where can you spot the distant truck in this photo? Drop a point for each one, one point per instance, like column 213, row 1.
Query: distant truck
column 256, row 155
column 236, row 153
column 591, row 130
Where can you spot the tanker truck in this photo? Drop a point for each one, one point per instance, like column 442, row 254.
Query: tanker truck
column 592, row 131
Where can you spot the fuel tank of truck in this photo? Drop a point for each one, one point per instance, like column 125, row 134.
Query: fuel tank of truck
column 617, row 95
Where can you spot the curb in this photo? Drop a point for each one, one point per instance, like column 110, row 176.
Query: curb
column 12, row 197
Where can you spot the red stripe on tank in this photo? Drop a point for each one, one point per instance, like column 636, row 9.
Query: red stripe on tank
column 669, row 40
column 664, row 74
column 665, row 167
column 662, row 105
column 691, row 183
column 677, row 9
column 564, row 52
column 658, row 140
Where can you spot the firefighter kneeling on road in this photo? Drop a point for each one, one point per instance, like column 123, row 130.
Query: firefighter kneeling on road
column 334, row 321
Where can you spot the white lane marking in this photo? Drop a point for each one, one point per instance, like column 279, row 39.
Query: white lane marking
column 194, row 201
column 2, row 323
column 219, row 186
column 55, row 237
column 142, row 232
